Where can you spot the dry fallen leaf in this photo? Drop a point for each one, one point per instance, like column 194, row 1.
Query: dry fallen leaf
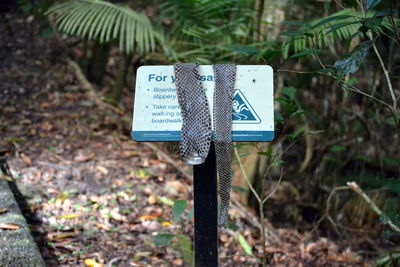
column 129, row 154
column 3, row 210
column 149, row 217
column 9, row 226
column 26, row 160
column 102, row 169
column 81, row 157
column 60, row 236
column 152, row 199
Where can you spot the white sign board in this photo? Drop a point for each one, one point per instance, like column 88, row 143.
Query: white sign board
column 157, row 115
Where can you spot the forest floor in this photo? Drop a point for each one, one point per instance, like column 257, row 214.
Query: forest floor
column 95, row 194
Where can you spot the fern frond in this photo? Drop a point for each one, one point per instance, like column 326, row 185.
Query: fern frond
column 103, row 21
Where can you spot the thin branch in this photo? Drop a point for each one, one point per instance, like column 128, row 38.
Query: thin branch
column 245, row 176
column 389, row 83
column 274, row 189
column 326, row 213
column 356, row 188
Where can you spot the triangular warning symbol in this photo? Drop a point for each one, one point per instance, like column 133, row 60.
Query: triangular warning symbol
column 242, row 111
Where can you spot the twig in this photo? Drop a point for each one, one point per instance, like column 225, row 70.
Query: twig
column 389, row 83
column 326, row 213
column 246, row 177
column 356, row 188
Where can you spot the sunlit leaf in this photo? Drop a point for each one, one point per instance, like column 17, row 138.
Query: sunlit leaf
column 92, row 263
column 165, row 200
column 244, row 244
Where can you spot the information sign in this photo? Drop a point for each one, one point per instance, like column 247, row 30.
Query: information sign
column 157, row 116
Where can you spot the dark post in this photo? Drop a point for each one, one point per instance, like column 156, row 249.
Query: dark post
column 205, row 212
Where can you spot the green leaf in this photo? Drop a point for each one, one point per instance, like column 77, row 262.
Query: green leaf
column 178, row 209
column 363, row 158
column 266, row 153
column 297, row 113
column 295, row 23
column 162, row 240
column 305, row 53
column 244, row 244
column 290, row 33
column 368, row 4
column 385, row 12
column 330, row 19
column 244, row 49
column 393, row 185
column 104, row 21
column 271, row 54
column 388, row 260
column 183, row 244
column 389, row 234
column 289, row 92
column 338, row 149
column 278, row 117
column 190, row 215
column 394, row 217
column 372, row 23
column 297, row 133
column 238, row 189
column 352, row 63
column 165, row 200
column 231, row 225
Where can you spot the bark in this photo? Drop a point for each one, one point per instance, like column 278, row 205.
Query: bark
column 115, row 94
column 98, row 63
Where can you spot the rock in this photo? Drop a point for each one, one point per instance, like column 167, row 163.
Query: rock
column 17, row 247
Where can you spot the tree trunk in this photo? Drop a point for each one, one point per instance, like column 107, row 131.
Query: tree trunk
column 116, row 92
column 98, row 63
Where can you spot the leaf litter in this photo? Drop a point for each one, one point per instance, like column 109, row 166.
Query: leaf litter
column 100, row 199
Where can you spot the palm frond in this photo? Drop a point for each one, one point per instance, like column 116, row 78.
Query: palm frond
column 103, row 21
